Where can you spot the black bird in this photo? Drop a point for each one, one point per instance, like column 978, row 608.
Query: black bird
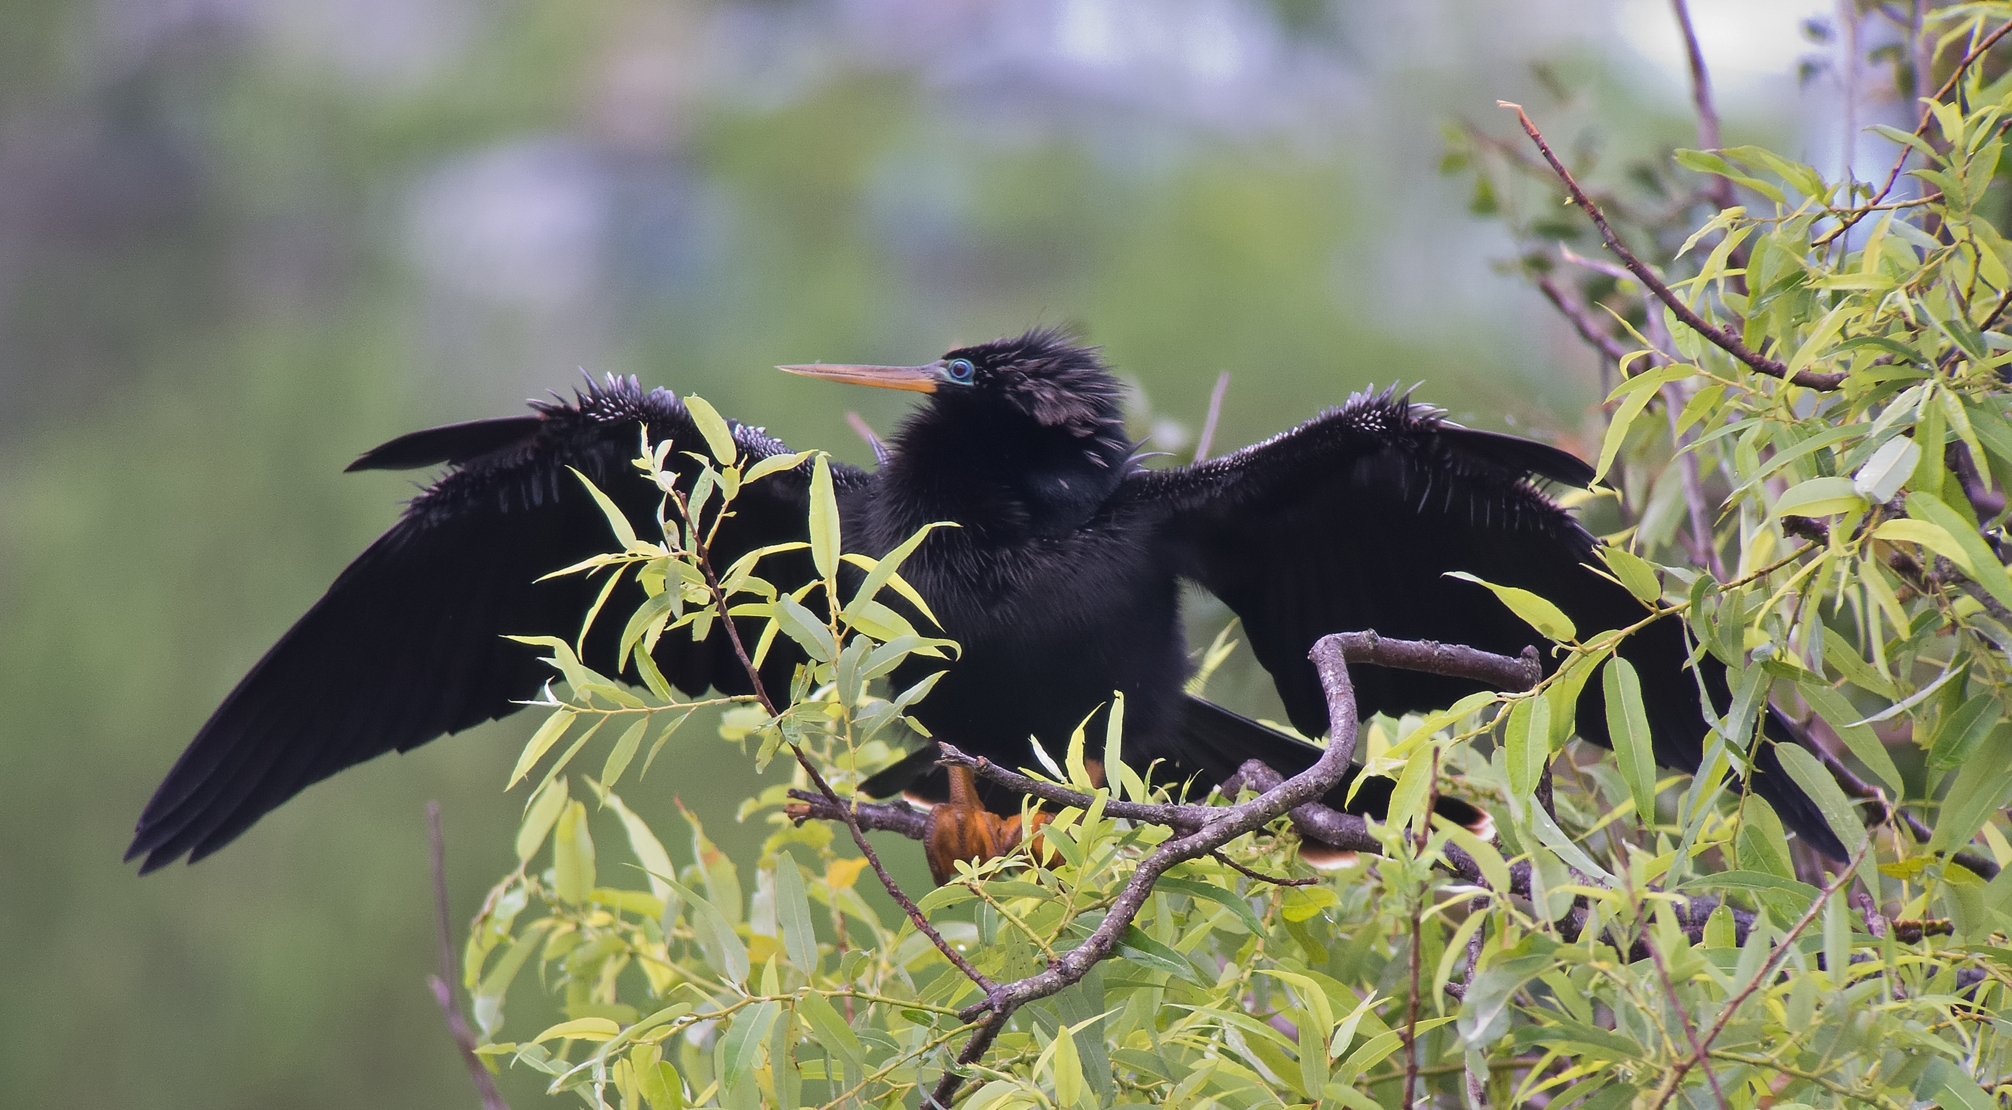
column 1062, row 582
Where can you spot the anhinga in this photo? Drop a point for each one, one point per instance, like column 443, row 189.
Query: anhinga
column 1061, row 585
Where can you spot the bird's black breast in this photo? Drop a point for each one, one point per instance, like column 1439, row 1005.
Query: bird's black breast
column 1050, row 626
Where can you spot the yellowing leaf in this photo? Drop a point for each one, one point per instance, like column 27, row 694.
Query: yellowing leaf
column 840, row 874
column 1934, row 537
column 719, row 438
column 586, row 1028
column 1819, row 497
column 824, row 528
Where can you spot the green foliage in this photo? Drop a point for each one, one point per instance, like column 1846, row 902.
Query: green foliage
column 1644, row 940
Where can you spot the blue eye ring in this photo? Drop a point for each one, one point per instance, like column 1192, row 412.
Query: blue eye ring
column 959, row 369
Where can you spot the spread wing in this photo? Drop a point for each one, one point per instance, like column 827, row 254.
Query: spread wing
column 1353, row 520
column 408, row 644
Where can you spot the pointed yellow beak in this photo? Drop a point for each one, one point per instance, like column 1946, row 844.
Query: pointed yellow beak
column 915, row 379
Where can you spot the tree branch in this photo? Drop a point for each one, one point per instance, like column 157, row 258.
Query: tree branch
column 1719, row 337
column 1721, row 189
column 1582, row 320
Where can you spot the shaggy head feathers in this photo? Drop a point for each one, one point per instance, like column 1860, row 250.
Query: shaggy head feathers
column 1047, row 376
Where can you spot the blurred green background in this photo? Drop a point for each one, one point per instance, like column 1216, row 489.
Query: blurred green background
column 243, row 240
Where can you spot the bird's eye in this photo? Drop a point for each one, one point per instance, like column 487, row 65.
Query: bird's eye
column 959, row 369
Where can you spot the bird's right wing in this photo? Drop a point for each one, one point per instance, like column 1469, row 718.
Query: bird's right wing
column 1356, row 519
column 408, row 643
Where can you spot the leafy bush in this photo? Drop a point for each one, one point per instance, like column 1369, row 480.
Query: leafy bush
column 1811, row 441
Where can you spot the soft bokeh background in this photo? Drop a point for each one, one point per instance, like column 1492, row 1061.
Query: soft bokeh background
column 243, row 240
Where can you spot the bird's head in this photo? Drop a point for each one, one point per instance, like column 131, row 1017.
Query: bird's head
column 1042, row 375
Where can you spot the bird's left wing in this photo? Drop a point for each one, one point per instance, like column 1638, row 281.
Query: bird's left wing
column 1353, row 520
column 408, row 643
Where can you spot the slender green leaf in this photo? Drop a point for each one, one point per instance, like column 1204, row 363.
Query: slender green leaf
column 624, row 751
column 824, row 526
column 1528, row 739
column 723, row 948
column 1839, row 713
column 573, row 855
column 792, row 913
column 1816, row 782
column 719, row 437
column 1628, row 730
column 740, row 1044
column 541, row 742
column 1985, row 568
column 539, row 817
column 618, row 522
column 1819, row 497
column 1540, row 614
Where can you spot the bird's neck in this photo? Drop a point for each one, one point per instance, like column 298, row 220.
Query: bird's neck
column 1002, row 479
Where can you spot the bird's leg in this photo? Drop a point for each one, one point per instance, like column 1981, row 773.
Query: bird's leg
column 963, row 829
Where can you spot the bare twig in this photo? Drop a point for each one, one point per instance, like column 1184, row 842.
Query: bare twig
column 1421, row 841
column 1275, row 880
column 1683, row 1016
column 1582, row 321
column 443, row 992
column 865, row 431
column 1721, row 188
column 1763, row 976
column 1719, row 337
column 1703, row 549
column 1215, row 410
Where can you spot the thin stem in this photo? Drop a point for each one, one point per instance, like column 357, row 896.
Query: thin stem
column 1683, row 1017
column 1920, row 130
column 1582, row 321
column 1719, row 337
column 443, row 992
column 894, row 891
column 1421, row 841
column 1275, row 880
column 1766, row 973
column 1721, row 188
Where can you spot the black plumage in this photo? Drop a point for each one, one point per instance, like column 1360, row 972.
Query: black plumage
column 1061, row 585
